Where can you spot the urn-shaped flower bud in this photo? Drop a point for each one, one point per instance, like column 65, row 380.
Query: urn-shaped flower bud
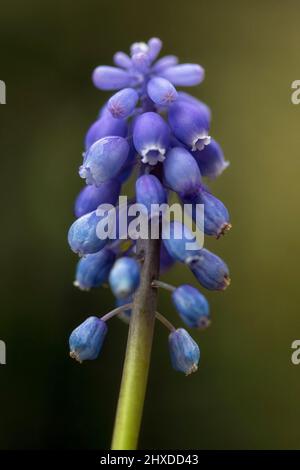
column 211, row 160
column 190, row 124
column 155, row 45
column 122, row 60
column 112, row 78
column 166, row 260
column 184, row 351
column 210, row 270
column 216, row 216
column 192, row 306
column 93, row 270
column 122, row 104
column 141, row 62
column 150, row 193
column 138, row 48
column 161, row 91
column 129, row 165
column 105, row 126
column 90, row 197
column 151, row 137
column 87, row 339
column 82, row 236
column 181, row 172
column 184, row 74
column 104, row 160
column 179, row 241
column 124, row 277
column 164, row 63
column 186, row 97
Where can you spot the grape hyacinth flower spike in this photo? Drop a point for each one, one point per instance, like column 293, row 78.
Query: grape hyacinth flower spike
column 148, row 125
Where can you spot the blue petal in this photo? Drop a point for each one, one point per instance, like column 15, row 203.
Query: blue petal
column 140, row 62
column 122, row 60
column 166, row 261
column 112, row 78
column 165, row 62
column 181, row 172
column 216, row 216
column 176, row 238
column 139, row 47
column 183, row 96
column 149, row 191
column 192, row 306
column 104, row 160
column 103, row 127
column 155, row 45
column 87, row 339
column 161, row 91
column 184, row 74
column 93, row 270
column 151, row 137
column 90, row 197
column 190, row 124
column 184, row 352
column 211, row 160
column 122, row 104
column 82, row 236
column 124, row 277
column 210, row 270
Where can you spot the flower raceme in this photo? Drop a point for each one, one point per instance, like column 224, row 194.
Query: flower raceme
column 149, row 124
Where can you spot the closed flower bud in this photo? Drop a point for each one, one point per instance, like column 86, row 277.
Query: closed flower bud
column 129, row 164
column 122, row 104
column 122, row 60
column 190, row 124
column 104, row 160
column 164, row 63
column 155, row 46
column 125, row 173
column 90, row 197
column 82, row 236
column 87, row 339
column 112, row 78
column 124, row 277
column 216, row 216
column 177, row 239
column 184, row 351
column 192, row 306
column 103, row 127
column 184, row 74
column 151, row 137
column 141, row 62
column 211, row 160
column 210, row 270
column 161, row 91
column 181, row 172
column 166, row 260
column 139, row 47
column 183, row 96
column 149, row 191
column 93, row 270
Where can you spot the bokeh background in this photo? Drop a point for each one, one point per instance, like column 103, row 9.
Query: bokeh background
column 246, row 393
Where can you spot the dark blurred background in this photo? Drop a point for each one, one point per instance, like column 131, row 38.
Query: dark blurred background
column 246, row 393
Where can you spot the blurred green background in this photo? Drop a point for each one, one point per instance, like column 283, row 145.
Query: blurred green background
column 246, row 393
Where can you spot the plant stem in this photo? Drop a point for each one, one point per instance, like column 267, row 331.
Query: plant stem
column 138, row 352
column 156, row 283
column 115, row 311
column 165, row 322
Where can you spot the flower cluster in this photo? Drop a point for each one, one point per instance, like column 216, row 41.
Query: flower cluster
column 148, row 124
